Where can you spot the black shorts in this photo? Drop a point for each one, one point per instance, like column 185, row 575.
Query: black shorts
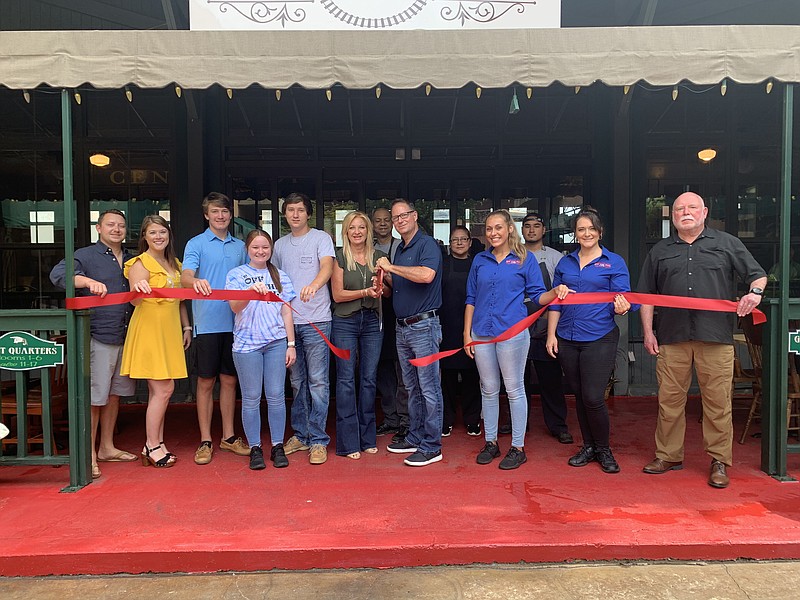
column 214, row 353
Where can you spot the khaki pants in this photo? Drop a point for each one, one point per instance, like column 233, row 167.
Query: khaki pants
column 714, row 366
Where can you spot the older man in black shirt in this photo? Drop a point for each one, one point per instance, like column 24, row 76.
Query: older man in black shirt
column 98, row 271
column 698, row 262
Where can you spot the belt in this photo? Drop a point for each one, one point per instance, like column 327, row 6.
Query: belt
column 417, row 318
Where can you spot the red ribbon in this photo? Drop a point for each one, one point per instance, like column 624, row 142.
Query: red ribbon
column 84, row 302
column 711, row 304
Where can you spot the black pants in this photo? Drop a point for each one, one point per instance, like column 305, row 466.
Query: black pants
column 470, row 392
column 588, row 366
column 551, row 391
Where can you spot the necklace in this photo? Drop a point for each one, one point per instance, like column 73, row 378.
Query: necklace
column 363, row 271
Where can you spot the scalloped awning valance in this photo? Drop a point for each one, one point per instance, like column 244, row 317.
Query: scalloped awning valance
column 400, row 59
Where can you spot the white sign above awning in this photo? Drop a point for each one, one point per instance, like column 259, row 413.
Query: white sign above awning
column 354, row 15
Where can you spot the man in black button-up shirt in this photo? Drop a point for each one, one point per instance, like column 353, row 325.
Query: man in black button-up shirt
column 698, row 262
column 98, row 271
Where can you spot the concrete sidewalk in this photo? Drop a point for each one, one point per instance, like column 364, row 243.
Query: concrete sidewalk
column 652, row 581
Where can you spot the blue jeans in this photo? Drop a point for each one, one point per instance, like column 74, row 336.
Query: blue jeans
column 507, row 360
column 425, row 404
column 310, row 384
column 265, row 367
column 355, row 415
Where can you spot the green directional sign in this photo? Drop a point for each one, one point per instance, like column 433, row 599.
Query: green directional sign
column 794, row 341
column 22, row 351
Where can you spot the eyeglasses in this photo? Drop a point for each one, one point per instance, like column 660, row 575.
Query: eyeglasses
column 402, row 216
column 459, row 240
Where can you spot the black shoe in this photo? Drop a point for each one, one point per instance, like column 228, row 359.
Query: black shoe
column 489, row 452
column 565, row 437
column 606, row 460
column 583, row 457
column 513, row 459
column 422, row 459
column 504, row 429
column 400, row 436
column 474, row 429
column 401, row 447
column 278, row 456
column 384, row 429
column 257, row 458
column 447, row 430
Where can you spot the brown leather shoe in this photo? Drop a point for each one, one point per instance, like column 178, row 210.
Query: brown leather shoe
column 718, row 477
column 658, row 466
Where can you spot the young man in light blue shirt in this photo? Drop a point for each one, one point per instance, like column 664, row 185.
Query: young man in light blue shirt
column 206, row 261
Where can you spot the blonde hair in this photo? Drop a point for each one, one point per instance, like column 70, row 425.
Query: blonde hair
column 349, row 261
column 514, row 240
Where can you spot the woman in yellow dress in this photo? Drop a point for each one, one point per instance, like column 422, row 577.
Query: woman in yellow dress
column 154, row 347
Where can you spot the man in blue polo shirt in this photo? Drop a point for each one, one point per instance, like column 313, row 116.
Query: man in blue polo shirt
column 417, row 297
column 206, row 261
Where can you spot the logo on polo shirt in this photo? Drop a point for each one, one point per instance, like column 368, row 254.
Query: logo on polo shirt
column 602, row 265
column 513, row 261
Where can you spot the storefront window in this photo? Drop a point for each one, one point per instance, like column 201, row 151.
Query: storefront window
column 136, row 182
column 339, row 197
column 252, row 206
column 31, row 193
column 473, row 205
column 432, row 200
column 566, row 201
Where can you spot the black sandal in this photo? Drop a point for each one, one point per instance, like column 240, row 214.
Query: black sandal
column 165, row 462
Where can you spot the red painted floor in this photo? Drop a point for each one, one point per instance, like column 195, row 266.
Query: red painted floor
column 378, row 513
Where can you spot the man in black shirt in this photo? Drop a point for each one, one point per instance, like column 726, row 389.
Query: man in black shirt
column 698, row 262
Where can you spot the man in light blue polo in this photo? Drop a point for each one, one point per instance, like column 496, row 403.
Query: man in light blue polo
column 206, row 261
column 417, row 297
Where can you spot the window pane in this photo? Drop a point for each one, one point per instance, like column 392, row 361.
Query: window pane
column 252, row 207
column 474, row 203
column 25, row 277
column 135, row 182
column 432, row 201
column 31, row 194
column 339, row 198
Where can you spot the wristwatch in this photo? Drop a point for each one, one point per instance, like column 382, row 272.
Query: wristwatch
column 757, row 291
column 290, row 344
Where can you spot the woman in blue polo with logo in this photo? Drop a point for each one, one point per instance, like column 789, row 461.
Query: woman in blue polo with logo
column 499, row 281
column 584, row 337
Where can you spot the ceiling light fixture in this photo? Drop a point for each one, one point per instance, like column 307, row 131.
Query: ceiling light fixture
column 707, row 155
column 99, row 160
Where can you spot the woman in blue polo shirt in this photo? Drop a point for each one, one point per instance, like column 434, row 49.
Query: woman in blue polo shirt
column 584, row 337
column 263, row 346
column 499, row 281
